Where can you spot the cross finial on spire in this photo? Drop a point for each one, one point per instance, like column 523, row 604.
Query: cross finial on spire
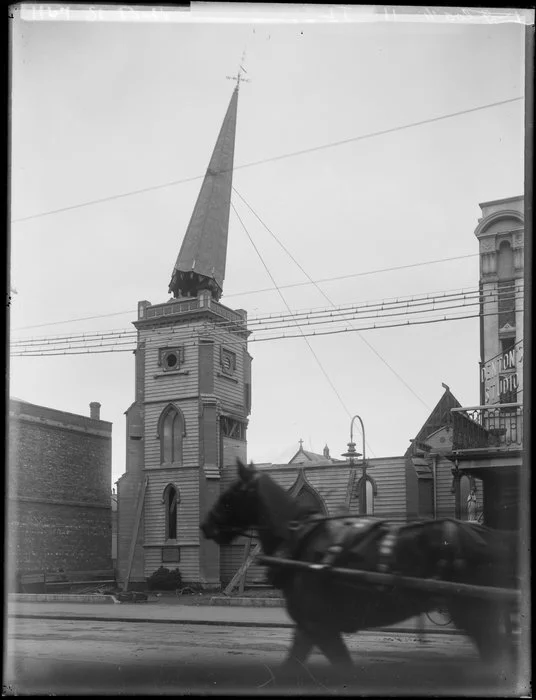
column 238, row 77
column 301, row 444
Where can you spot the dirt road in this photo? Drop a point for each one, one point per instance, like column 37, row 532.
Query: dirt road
column 96, row 657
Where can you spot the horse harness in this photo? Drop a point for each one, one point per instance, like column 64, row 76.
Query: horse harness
column 350, row 535
column 354, row 534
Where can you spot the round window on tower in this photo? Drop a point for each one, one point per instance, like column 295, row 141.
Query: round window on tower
column 171, row 360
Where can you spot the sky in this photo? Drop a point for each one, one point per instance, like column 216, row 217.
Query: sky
column 105, row 107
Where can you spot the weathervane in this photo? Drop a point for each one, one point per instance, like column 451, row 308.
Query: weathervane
column 238, row 77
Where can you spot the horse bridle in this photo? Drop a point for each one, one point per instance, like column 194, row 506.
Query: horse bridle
column 245, row 487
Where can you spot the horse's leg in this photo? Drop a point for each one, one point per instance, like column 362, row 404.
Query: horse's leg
column 302, row 646
column 332, row 645
column 485, row 623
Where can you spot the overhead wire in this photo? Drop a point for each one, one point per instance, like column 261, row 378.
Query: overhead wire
column 267, row 289
column 343, row 314
column 486, row 296
column 369, row 345
column 292, row 154
column 132, row 345
column 351, row 275
column 291, row 313
column 261, row 323
column 360, row 336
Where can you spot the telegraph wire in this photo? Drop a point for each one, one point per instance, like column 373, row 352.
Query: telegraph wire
column 367, row 343
column 131, row 342
column 431, row 297
column 377, row 327
column 132, row 345
column 403, row 308
column 292, row 154
column 354, row 274
column 290, row 312
column 360, row 336
column 267, row 289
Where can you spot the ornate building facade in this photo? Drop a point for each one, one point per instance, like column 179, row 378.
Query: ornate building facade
column 488, row 437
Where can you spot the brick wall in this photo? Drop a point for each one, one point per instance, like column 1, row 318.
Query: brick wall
column 59, row 478
column 59, row 463
column 50, row 537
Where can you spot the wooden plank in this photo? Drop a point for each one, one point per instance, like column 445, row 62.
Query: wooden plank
column 419, row 584
column 137, row 520
column 242, row 570
column 246, row 557
column 99, row 572
column 80, row 583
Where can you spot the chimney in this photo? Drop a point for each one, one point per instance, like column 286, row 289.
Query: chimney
column 94, row 410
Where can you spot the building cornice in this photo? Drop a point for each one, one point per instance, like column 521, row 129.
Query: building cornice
column 498, row 216
column 49, row 423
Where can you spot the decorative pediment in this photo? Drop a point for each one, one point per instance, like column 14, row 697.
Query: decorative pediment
column 506, row 328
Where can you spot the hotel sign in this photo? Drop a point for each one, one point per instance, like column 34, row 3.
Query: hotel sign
column 502, row 374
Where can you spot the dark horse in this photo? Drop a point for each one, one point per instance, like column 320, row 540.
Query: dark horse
column 324, row 605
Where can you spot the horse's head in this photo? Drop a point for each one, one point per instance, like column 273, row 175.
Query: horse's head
column 236, row 509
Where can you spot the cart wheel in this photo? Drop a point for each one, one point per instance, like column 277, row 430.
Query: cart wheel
column 440, row 617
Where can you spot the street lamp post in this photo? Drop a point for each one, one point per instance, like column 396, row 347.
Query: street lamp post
column 352, row 455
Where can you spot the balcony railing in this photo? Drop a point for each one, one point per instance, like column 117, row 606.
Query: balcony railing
column 481, row 427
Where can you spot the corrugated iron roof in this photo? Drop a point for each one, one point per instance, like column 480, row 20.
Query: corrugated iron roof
column 201, row 260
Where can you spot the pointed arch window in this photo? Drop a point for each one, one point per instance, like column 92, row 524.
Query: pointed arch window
column 306, row 496
column 310, row 500
column 369, row 493
column 366, row 492
column 171, row 434
column 171, row 500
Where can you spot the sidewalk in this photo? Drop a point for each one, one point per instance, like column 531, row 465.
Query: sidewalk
column 162, row 611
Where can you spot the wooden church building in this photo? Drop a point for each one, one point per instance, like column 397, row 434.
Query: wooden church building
column 188, row 422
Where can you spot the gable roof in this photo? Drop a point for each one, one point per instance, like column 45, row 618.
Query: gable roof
column 305, row 457
column 440, row 417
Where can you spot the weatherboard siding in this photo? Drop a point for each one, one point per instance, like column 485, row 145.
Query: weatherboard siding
column 330, row 483
column 231, row 558
column 233, row 449
column 190, row 445
column 389, row 474
column 186, row 480
column 170, row 385
column 445, row 497
column 188, row 564
column 230, row 390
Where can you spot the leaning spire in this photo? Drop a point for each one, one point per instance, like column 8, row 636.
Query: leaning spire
column 201, row 261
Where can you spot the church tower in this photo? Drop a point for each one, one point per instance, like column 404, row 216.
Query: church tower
column 192, row 396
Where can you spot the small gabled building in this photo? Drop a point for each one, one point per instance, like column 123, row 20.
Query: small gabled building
column 429, row 479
